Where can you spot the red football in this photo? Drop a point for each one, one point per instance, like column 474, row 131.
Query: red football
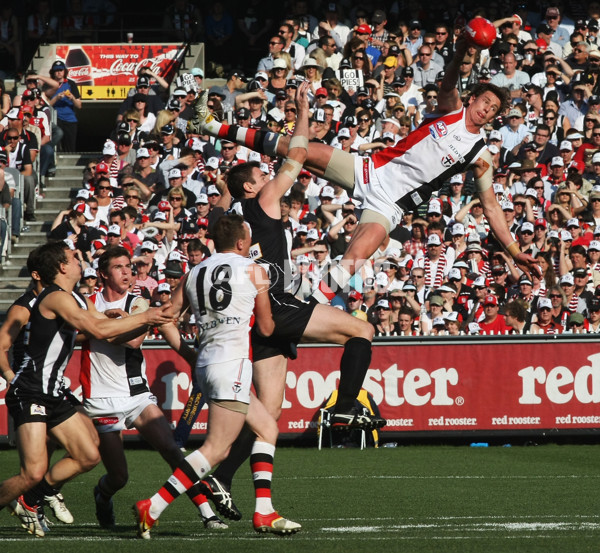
column 481, row 32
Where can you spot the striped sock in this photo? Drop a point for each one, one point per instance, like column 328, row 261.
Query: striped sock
column 261, row 462
column 258, row 140
column 193, row 468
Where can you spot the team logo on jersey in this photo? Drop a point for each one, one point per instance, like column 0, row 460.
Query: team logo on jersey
column 448, row 161
column 38, row 409
column 255, row 251
column 438, row 130
column 237, row 387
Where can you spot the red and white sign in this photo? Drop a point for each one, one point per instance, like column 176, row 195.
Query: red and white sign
column 102, row 70
column 484, row 386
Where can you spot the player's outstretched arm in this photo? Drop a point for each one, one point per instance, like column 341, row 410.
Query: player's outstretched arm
column 263, row 318
column 173, row 337
column 483, row 172
column 61, row 304
column 270, row 196
column 448, row 97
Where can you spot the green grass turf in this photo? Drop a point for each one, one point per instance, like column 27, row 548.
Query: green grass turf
column 409, row 499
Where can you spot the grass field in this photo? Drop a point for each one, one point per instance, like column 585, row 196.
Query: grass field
column 409, row 499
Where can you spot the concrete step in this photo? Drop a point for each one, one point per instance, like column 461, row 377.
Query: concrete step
column 13, row 269
column 69, row 171
column 78, row 159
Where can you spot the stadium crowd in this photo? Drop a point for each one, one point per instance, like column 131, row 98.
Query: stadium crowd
column 157, row 187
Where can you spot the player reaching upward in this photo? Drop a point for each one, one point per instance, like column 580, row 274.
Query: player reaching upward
column 400, row 178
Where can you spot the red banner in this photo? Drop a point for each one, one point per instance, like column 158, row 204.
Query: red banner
column 108, row 71
column 481, row 385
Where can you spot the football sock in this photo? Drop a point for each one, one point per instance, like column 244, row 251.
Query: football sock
column 334, row 282
column 261, row 462
column 353, row 369
column 240, row 451
column 258, row 140
column 193, row 468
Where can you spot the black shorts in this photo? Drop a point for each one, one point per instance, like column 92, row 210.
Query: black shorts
column 291, row 317
column 51, row 410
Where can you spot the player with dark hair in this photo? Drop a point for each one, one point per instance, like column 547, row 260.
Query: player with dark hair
column 37, row 399
column 398, row 179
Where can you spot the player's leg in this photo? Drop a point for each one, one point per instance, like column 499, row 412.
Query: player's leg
column 224, row 425
column 330, row 325
column 83, row 455
column 323, row 160
column 262, row 423
column 154, row 428
column 268, row 377
column 115, row 478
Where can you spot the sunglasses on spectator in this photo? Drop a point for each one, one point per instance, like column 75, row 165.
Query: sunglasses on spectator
column 12, row 137
column 274, row 43
column 290, row 110
column 227, row 148
column 103, row 187
column 131, row 197
column 176, row 198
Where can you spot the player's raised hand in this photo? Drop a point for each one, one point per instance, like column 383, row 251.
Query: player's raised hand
column 156, row 316
column 302, row 97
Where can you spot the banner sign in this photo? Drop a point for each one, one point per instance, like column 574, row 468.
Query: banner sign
column 108, row 71
column 486, row 386
column 351, row 79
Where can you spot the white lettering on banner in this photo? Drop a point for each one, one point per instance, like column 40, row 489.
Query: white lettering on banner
column 173, row 382
column 506, row 420
column 448, row 421
column 560, row 384
column 312, row 389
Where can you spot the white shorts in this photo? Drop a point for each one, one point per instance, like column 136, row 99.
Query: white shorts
column 226, row 381
column 372, row 193
column 113, row 414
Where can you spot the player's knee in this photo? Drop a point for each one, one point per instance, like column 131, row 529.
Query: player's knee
column 89, row 459
column 359, row 329
column 34, row 475
column 269, row 433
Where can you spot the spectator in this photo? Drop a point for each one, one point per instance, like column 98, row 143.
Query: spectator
column 493, row 322
column 543, row 323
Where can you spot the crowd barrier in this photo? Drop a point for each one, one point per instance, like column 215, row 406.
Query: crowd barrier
column 425, row 386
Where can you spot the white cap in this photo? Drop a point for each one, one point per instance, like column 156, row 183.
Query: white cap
column 479, row 281
column 90, row 272
column 453, row 316
column 114, row 229
column 383, row 303
column 438, row 321
column 454, row 273
column 460, row 264
column 474, row 328
column 458, row 229
column 498, row 188
column 594, row 245
column 381, row 279
column 213, row 162
column 279, row 64
column 83, row 194
column 553, row 234
column 574, row 222
column 147, row 245
column 434, row 240
column 390, row 135
column 13, row 113
column 254, row 156
column 527, row 226
column 344, row 133
column 302, row 259
column 557, row 161
column 565, row 235
column 142, row 152
column 566, row 145
column 393, row 252
column 264, row 167
column 174, row 256
column 434, row 207
column 327, row 192
column 202, row 199
column 164, row 287
column 302, row 228
column 508, row 206
column 312, row 234
column 174, row 173
column 544, row 302
column 495, row 135
column 456, row 178
column 212, row 189
column 493, row 149
column 596, row 158
column 575, row 136
column 109, row 148
column 567, row 279
column 261, row 75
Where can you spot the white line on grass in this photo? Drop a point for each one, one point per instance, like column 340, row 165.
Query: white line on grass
column 443, row 477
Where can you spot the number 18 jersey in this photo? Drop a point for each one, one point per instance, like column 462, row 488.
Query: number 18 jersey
column 222, row 297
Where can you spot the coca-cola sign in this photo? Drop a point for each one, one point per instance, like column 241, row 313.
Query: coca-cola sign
column 110, row 70
column 420, row 386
